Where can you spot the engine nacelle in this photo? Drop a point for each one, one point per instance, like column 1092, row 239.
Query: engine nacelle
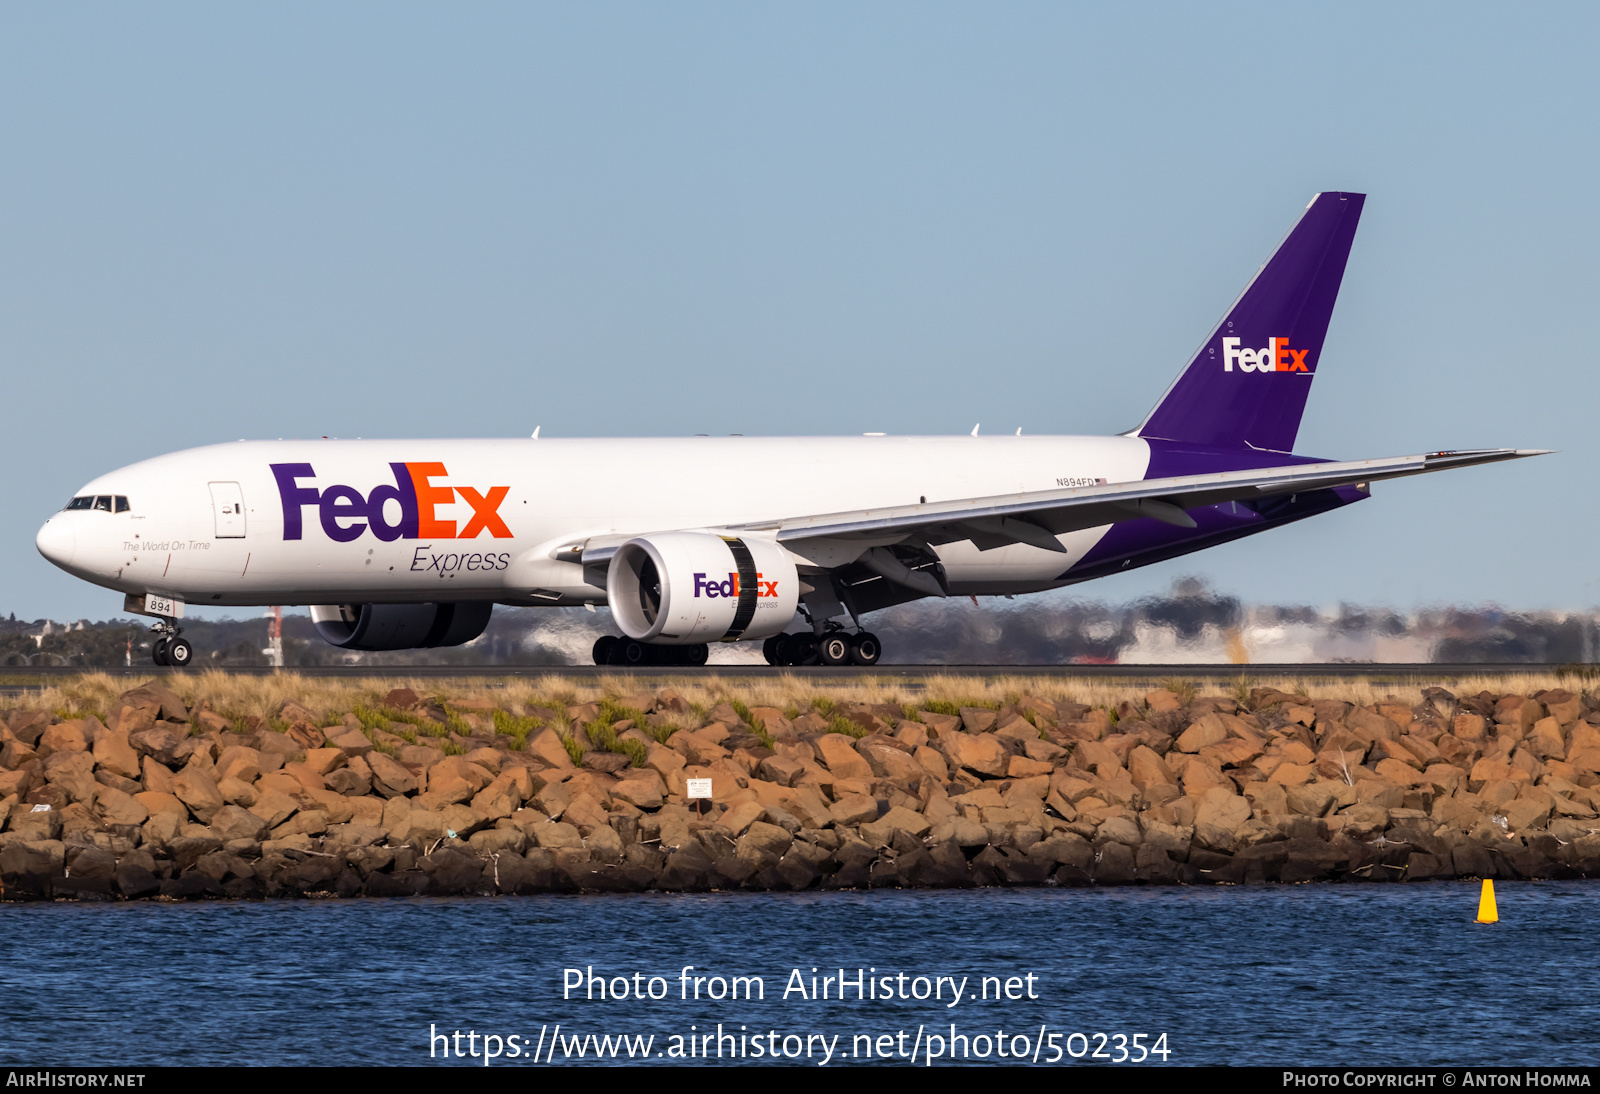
column 678, row 588
column 401, row 626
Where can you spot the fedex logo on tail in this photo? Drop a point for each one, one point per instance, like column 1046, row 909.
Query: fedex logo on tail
column 730, row 588
column 1276, row 357
column 345, row 512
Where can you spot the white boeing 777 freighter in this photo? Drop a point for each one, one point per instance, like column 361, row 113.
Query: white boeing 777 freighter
column 410, row 543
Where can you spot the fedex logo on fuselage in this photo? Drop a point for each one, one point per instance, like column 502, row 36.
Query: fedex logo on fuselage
column 730, row 588
column 346, row 512
column 1276, row 357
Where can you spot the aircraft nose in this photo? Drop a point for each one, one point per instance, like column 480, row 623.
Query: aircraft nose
column 57, row 542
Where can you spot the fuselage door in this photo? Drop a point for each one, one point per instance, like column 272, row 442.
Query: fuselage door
column 227, row 501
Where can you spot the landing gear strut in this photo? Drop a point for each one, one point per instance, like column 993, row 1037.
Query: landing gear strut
column 169, row 649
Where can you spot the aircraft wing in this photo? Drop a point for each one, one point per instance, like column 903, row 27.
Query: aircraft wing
column 1037, row 517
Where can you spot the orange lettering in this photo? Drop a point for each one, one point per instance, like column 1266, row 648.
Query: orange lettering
column 485, row 515
column 427, row 497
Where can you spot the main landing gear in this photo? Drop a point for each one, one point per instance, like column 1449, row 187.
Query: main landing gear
column 169, row 649
column 831, row 648
column 610, row 650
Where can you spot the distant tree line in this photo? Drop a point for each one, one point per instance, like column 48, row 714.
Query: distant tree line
column 1054, row 629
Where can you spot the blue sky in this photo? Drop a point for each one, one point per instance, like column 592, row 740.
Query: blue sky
column 223, row 221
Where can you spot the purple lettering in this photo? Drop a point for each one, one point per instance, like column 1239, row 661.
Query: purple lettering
column 343, row 503
column 295, row 497
column 405, row 492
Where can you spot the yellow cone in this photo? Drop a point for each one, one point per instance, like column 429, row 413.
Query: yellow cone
column 1487, row 912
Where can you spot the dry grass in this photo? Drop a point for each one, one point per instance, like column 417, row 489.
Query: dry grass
column 261, row 696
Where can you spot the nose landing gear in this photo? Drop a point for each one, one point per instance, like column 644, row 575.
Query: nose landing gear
column 170, row 650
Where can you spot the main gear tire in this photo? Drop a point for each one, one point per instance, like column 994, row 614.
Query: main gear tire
column 801, row 649
column 834, row 649
column 865, row 649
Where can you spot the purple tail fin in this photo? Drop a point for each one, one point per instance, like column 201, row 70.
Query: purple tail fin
column 1247, row 385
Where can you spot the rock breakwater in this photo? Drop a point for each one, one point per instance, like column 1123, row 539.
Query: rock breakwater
column 153, row 798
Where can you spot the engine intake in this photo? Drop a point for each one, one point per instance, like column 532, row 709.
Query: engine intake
column 401, row 626
column 678, row 588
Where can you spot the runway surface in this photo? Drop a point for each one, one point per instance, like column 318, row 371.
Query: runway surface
column 13, row 680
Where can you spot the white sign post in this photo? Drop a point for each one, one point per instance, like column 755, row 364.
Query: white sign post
column 698, row 788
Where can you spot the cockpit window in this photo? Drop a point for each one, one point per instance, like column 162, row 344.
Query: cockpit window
column 104, row 503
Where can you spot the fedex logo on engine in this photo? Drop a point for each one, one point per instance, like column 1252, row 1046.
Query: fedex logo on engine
column 346, row 512
column 730, row 588
column 1276, row 357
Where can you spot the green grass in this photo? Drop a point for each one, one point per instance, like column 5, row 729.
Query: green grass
column 603, row 736
column 455, row 723
column 277, row 725
column 941, row 706
column 612, row 712
column 759, row 728
column 379, row 718
column 515, row 727
column 634, row 749
column 824, row 706
column 67, row 714
column 847, row 727
column 574, row 749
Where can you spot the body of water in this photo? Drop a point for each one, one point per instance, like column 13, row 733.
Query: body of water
column 1331, row 974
